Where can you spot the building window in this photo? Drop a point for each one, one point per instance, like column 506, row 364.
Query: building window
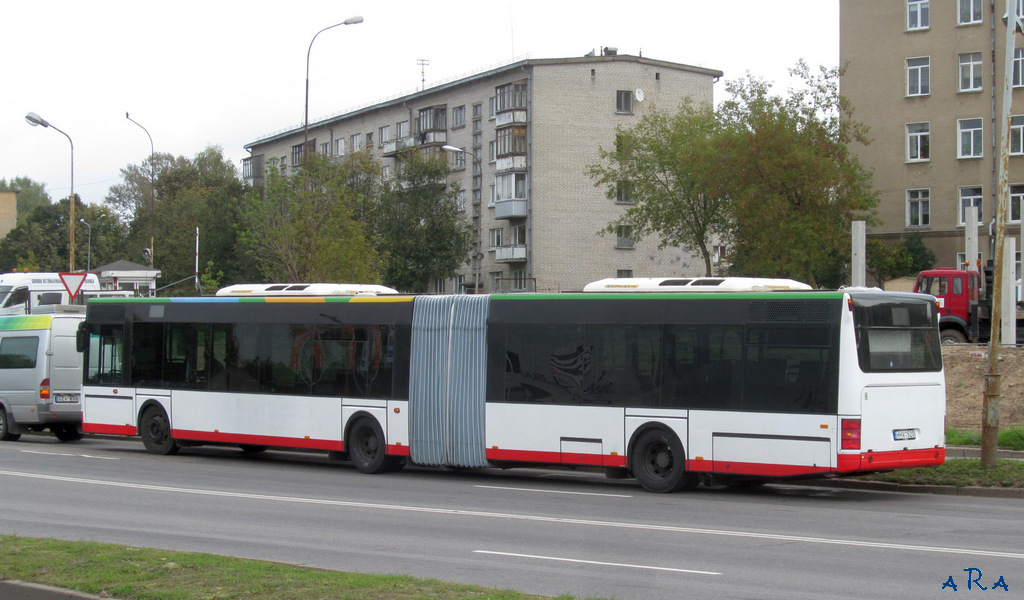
column 478, row 111
column 385, row 133
column 717, row 254
column 460, row 200
column 495, row 237
column 624, row 101
column 969, row 134
column 510, row 96
column 969, row 12
column 476, row 197
column 918, row 142
column 918, row 208
column 477, row 139
column 917, row 14
column 970, row 72
column 969, row 196
column 247, row 168
column 356, row 142
column 518, row 279
column 1016, row 197
column 385, row 173
column 623, row 273
column 457, row 160
column 518, row 235
column 1017, row 135
column 918, row 76
column 510, row 186
column 511, row 140
column 623, row 236
column 297, row 153
column 622, row 195
column 458, row 117
column 491, row 104
column 1018, row 67
column 403, row 129
column 325, row 148
column 340, row 147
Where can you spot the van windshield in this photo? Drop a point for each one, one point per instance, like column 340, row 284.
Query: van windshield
column 4, row 291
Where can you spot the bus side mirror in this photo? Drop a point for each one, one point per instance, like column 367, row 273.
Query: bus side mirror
column 81, row 337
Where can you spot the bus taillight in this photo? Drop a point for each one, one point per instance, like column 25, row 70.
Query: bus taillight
column 44, row 389
column 850, row 434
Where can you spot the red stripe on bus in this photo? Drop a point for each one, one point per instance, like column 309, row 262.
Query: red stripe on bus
column 556, row 458
column 109, row 429
column 730, row 467
column 398, row 450
column 897, row 459
column 258, row 440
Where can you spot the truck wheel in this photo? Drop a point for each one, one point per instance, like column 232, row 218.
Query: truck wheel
column 952, row 336
column 5, row 428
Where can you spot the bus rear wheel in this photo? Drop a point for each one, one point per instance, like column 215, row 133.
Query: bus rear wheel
column 155, row 428
column 366, row 448
column 5, row 428
column 659, row 463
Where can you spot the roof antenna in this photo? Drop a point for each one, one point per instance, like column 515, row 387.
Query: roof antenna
column 423, row 62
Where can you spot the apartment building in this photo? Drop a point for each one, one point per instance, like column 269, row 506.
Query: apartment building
column 927, row 77
column 528, row 131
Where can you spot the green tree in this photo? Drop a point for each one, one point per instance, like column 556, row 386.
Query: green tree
column 301, row 228
column 907, row 257
column 30, row 195
column 669, row 167
column 41, row 242
column 417, row 225
column 793, row 183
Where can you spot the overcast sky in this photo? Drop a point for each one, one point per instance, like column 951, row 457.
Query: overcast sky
column 226, row 72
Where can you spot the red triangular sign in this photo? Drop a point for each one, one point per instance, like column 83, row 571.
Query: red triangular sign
column 73, row 282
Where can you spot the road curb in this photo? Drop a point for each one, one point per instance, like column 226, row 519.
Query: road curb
column 12, row 589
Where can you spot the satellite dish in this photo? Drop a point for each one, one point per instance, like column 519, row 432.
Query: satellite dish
column 639, row 94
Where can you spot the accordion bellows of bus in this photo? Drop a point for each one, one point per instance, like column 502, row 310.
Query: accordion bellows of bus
column 679, row 382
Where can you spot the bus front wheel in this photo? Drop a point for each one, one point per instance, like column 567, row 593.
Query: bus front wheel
column 155, row 428
column 659, row 463
column 366, row 448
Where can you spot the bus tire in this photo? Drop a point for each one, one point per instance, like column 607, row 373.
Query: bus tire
column 155, row 429
column 5, row 428
column 659, row 463
column 252, row 448
column 66, row 433
column 365, row 447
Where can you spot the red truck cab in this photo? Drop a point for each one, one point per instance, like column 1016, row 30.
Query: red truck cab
column 957, row 291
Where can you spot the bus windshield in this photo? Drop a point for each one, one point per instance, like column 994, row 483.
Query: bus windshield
column 896, row 336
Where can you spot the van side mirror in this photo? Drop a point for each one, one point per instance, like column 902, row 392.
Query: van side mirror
column 81, row 337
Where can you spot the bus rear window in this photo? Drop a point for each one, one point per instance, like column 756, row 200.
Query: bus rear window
column 896, row 335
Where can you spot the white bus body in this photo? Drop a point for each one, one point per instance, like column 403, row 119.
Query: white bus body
column 672, row 388
column 41, row 373
column 305, row 289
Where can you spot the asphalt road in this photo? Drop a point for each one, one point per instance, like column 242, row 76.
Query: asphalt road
column 538, row 531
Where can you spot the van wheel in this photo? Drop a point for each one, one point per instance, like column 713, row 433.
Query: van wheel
column 5, row 428
column 66, row 433
column 155, row 428
column 659, row 463
column 365, row 446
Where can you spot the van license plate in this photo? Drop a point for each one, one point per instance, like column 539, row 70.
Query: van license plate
column 65, row 398
column 904, row 434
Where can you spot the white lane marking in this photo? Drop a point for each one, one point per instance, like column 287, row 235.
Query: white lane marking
column 523, row 517
column 69, row 454
column 595, row 562
column 539, row 491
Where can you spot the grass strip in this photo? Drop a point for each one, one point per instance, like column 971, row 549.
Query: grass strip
column 131, row 573
column 962, row 472
column 1009, row 439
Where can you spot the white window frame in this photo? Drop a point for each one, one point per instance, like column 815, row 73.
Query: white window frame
column 971, row 74
column 1016, row 135
column 384, row 133
column 919, row 142
column 970, row 196
column 919, row 208
column 919, row 76
column 460, row 201
column 1016, row 202
column 917, row 15
column 970, row 137
column 402, row 129
column 494, row 237
column 969, row 12
column 459, row 116
column 624, row 236
column 624, row 102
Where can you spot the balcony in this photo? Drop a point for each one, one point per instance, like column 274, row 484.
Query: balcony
column 392, row 147
column 512, row 117
column 510, row 254
column 513, row 208
column 510, row 163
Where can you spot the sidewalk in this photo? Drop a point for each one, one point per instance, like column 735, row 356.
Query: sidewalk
column 19, row 590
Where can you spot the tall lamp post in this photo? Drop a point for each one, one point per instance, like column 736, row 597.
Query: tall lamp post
column 348, row 21
column 88, row 262
column 152, row 189
column 477, row 255
column 34, row 120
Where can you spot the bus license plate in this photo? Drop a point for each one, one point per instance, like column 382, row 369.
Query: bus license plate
column 904, row 434
column 65, row 398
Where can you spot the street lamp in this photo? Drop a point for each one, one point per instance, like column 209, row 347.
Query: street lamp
column 34, row 120
column 152, row 188
column 348, row 21
column 88, row 264
column 477, row 256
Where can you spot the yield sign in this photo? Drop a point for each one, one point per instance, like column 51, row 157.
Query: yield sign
column 73, row 282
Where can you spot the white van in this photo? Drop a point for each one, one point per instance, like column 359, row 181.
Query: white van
column 41, row 374
column 29, row 293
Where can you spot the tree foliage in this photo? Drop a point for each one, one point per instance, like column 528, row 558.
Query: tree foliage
column 669, row 167
column 40, row 243
column 417, row 226
column 907, row 257
column 301, row 228
column 773, row 175
column 31, row 195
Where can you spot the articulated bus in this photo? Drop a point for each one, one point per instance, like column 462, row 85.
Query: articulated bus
column 671, row 388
